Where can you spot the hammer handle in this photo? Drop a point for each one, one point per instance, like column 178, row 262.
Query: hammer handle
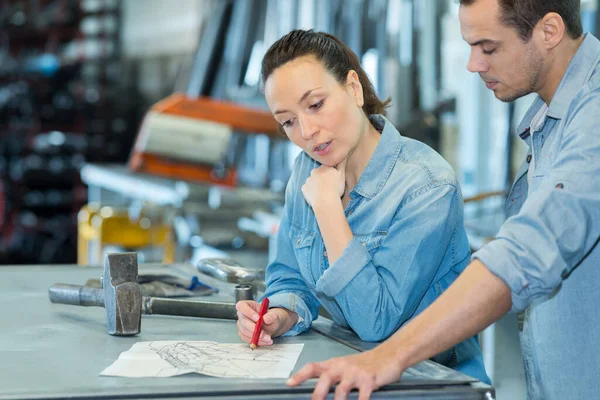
column 189, row 308
column 76, row 295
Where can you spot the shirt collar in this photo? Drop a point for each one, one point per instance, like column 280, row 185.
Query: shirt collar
column 579, row 71
column 379, row 168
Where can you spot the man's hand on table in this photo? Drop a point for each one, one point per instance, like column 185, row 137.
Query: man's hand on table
column 365, row 371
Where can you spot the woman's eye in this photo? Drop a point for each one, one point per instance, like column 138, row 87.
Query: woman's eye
column 287, row 123
column 317, row 105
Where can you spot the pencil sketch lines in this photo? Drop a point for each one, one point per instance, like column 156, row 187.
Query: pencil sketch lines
column 228, row 360
column 217, row 359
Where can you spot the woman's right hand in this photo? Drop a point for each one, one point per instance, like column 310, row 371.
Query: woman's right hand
column 276, row 322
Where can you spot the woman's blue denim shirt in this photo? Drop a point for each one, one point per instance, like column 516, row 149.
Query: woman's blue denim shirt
column 409, row 245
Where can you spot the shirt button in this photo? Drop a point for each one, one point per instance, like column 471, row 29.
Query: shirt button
column 298, row 241
column 325, row 253
column 350, row 212
column 560, row 186
column 364, row 244
column 528, row 158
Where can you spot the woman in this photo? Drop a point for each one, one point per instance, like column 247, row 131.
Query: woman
column 372, row 228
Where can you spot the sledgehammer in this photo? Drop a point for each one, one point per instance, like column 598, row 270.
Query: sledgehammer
column 121, row 297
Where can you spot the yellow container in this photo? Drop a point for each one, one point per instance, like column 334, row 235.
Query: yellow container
column 102, row 226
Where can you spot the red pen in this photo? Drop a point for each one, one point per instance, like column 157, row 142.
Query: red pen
column 264, row 306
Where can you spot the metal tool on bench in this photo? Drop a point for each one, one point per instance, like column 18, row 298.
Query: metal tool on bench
column 121, row 297
column 228, row 270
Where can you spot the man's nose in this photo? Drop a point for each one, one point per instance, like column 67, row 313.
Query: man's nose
column 476, row 63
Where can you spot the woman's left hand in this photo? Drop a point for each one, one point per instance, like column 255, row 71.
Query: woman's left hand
column 325, row 184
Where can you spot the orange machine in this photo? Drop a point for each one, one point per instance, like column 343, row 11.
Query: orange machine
column 197, row 139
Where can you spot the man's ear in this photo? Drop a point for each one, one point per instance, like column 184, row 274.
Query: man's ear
column 355, row 86
column 551, row 29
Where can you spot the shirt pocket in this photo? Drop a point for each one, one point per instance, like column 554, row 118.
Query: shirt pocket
column 302, row 241
column 536, row 182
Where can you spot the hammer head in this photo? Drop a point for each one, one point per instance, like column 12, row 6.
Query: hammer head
column 122, row 294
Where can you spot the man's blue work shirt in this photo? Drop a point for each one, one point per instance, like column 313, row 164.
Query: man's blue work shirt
column 409, row 245
column 547, row 251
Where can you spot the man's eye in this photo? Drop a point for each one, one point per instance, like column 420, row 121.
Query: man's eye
column 317, row 105
column 488, row 52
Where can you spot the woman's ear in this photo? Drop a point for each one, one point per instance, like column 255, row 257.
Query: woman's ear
column 355, row 86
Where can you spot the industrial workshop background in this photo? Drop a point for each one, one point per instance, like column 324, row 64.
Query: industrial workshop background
column 92, row 90
column 77, row 78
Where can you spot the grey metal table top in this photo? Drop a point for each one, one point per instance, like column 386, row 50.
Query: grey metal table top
column 52, row 351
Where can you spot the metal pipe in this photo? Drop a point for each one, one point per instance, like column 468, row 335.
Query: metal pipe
column 243, row 292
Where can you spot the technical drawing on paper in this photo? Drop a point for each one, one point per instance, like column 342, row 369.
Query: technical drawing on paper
column 228, row 360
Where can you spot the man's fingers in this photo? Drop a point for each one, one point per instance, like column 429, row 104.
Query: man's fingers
column 343, row 389
column 365, row 382
column 360, row 371
column 364, row 392
column 365, row 385
column 308, row 371
column 323, row 386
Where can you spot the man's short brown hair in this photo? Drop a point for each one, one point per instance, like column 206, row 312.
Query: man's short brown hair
column 523, row 15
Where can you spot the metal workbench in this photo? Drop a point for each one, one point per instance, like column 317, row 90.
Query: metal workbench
column 50, row 351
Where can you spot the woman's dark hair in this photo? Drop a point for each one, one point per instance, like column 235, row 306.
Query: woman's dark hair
column 334, row 55
column 523, row 15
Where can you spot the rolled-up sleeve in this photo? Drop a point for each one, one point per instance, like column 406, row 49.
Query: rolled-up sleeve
column 559, row 223
column 386, row 293
column 352, row 260
column 286, row 288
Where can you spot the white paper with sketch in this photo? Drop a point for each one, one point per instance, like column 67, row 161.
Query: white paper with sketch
column 227, row 360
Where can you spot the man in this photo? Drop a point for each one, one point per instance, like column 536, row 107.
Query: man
column 545, row 261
